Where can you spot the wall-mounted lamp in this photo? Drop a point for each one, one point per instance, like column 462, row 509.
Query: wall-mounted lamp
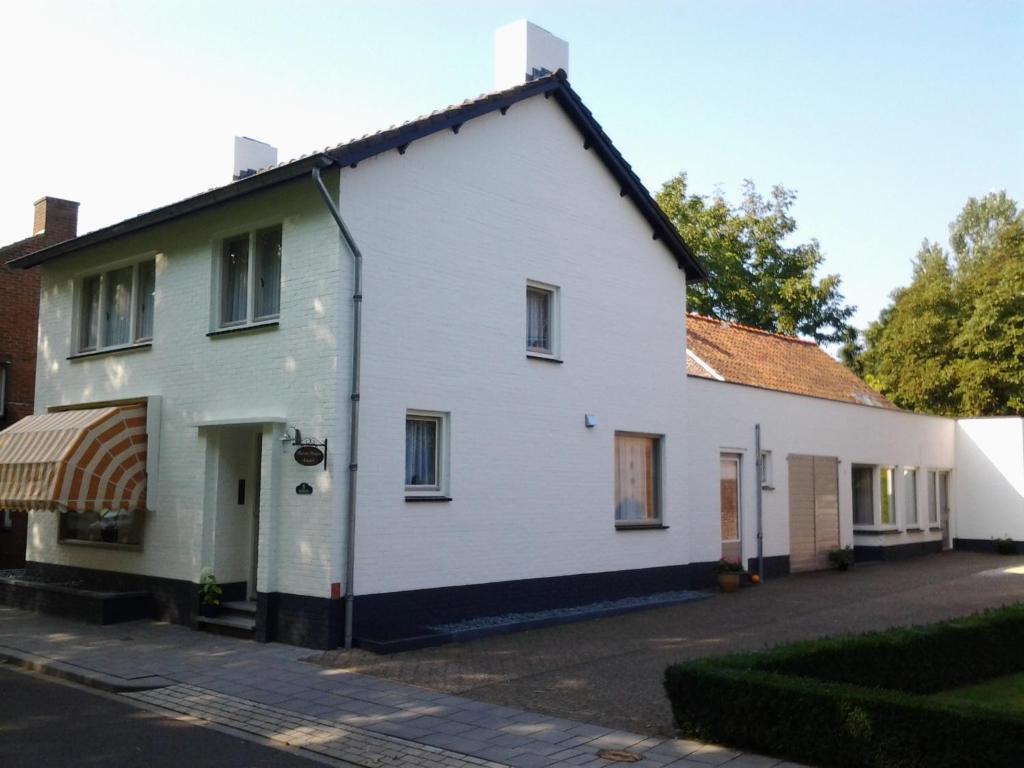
column 590, row 420
column 291, row 436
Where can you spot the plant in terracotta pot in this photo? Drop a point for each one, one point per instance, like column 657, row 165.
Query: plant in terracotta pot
column 729, row 573
column 841, row 558
column 209, row 594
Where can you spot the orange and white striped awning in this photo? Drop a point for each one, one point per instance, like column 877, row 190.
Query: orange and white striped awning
column 81, row 461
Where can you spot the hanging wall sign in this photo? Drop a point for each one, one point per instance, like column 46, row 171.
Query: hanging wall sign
column 308, row 455
column 304, row 489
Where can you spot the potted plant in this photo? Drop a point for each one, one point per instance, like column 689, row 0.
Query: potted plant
column 841, row 558
column 729, row 572
column 1005, row 545
column 209, row 594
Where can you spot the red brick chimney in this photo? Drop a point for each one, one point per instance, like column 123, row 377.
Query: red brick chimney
column 56, row 218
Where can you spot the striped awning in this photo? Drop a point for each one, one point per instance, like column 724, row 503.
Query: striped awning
column 85, row 460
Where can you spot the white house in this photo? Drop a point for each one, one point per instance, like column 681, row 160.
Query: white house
column 471, row 330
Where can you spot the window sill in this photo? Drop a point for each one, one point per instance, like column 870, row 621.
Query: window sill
column 428, row 498
column 99, row 544
column 767, row 487
column 640, row 527
column 248, row 328
column 543, row 357
column 112, row 351
column 875, row 531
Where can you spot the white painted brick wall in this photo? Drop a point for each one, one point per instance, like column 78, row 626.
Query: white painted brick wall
column 290, row 371
column 451, row 232
column 724, row 415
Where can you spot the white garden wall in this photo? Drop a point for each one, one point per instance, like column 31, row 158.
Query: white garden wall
column 990, row 467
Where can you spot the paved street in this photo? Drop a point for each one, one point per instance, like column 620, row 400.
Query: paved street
column 56, row 725
column 609, row 671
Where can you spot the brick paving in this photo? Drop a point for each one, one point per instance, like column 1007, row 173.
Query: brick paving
column 551, row 698
column 609, row 671
column 270, row 691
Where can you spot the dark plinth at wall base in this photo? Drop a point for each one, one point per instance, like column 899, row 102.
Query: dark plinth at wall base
column 983, row 545
column 172, row 600
column 90, row 606
column 312, row 622
column 775, row 566
column 869, row 554
column 396, row 621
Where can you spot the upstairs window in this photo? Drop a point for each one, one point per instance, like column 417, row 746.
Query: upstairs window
column 250, row 278
column 541, row 320
column 115, row 308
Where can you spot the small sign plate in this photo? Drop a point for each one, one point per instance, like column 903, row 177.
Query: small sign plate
column 304, row 489
column 308, row 455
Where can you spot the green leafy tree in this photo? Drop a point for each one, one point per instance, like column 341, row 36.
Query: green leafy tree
column 755, row 277
column 952, row 342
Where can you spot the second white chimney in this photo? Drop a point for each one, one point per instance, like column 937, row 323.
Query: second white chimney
column 523, row 52
column 252, row 156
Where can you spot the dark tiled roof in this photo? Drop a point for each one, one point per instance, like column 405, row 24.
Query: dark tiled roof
column 739, row 354
column 399, row 137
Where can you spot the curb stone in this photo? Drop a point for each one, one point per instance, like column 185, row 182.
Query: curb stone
column 80, row 675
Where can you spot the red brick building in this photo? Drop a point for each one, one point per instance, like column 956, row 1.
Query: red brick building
column 55, row 220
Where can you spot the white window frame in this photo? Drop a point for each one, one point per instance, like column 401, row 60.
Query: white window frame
column 932, row 484
column 217, row 300
column 134, row 339
column 658, row 454
column 554, row 320
column 876, row 498
column 442, row 459
column 907, row 523
column 738, row 459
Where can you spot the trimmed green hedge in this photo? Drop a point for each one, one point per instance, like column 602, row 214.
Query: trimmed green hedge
column 855, row 701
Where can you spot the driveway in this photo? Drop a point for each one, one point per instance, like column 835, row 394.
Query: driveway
column 609, row 671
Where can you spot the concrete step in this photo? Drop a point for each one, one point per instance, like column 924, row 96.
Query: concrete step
column 229, row 624
column 239, row 606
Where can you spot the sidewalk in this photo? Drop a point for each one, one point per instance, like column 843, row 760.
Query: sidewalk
column 268, row 690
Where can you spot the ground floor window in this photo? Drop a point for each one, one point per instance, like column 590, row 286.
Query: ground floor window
column 863, row 495
column 637, row 479
column 106, row 527
column 426, row 452
column 910, row 496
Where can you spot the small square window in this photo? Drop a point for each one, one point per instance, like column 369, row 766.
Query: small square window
column 115, row 308
column 426, row 453
column 637, row 480
column 541, row 319
column 250, row 278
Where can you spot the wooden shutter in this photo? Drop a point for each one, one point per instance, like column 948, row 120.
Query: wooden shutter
column 813, row 511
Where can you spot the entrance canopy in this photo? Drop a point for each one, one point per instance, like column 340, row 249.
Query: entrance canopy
column 86, row 460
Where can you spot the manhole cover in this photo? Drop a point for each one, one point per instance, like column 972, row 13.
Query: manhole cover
column 619, row 756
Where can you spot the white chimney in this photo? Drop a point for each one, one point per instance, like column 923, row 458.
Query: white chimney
column 524, row 52
column 252, row 156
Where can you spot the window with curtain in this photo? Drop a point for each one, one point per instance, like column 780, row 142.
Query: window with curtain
column 250, row 278
column 541, row 319
column 115, row 308
column 729, row 496
column 910, row 496
column 146, row 301
column 234, row 282
column 89, row 319
column 636, row 480
column 863, row 495
column 118, row 307
column 424, row 452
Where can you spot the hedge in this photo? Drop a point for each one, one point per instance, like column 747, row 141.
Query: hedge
column 830, row 702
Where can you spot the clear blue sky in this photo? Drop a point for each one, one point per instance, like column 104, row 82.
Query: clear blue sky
column 884, row 116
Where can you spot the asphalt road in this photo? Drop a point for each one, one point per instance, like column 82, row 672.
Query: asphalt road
column 54, row 724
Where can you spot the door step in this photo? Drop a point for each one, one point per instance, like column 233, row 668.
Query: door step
column 237, row 618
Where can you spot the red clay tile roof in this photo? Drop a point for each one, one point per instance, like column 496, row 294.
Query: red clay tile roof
column 742, row 355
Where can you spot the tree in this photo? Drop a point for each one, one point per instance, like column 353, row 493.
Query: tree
column 753, row 277
column 952, row 342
